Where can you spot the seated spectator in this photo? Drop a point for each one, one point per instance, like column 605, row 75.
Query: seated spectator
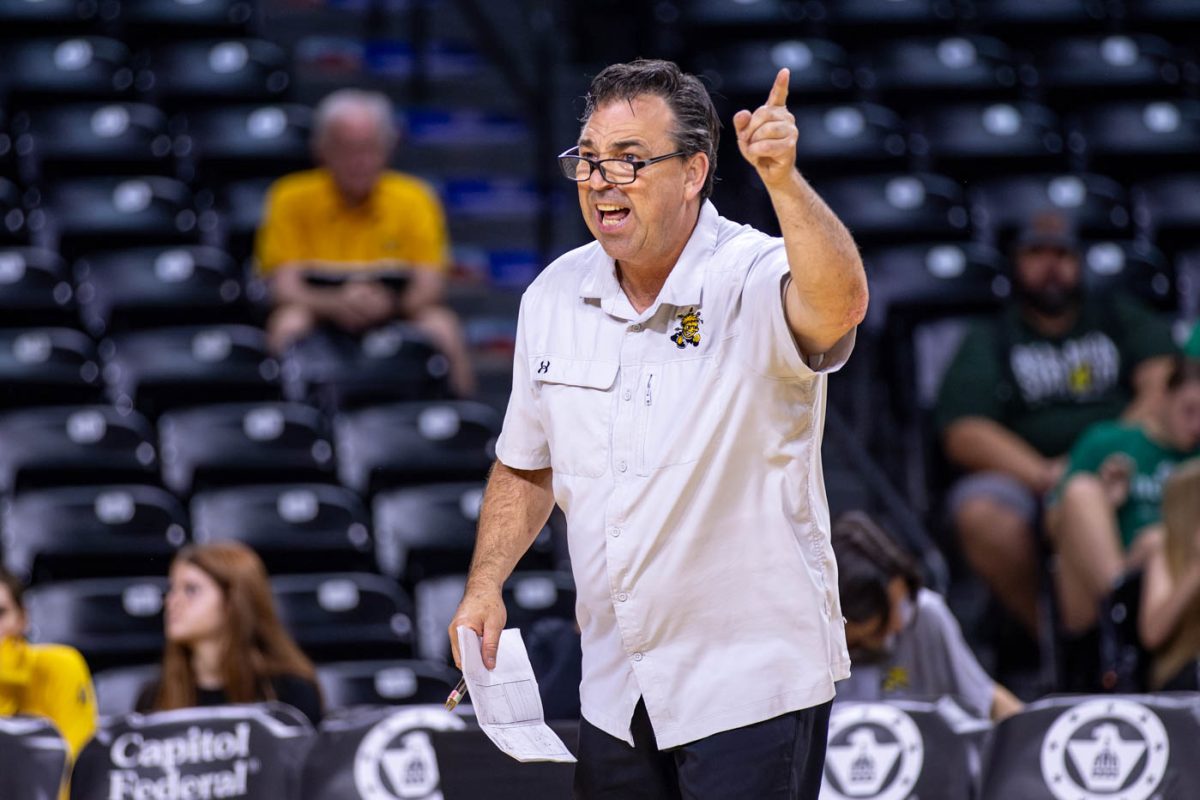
column 1112, row 494
column 1169, row 620
column 42, row 680
column 903, row 640
column 1192, row 348
column 1022, row 388
column 354, row 245
column 225, row 643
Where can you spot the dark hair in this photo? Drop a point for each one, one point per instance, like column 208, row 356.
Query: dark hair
column 868, row 559
column 1184, row 370
column 697, row 127
column 15, row 587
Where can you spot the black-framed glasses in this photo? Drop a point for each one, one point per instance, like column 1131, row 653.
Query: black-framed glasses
column 616, row 171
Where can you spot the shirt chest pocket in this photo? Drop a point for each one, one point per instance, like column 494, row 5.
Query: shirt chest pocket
column 576, row 398
column 676, row 421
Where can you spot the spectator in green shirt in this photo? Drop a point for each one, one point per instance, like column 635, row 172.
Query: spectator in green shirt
column 1112, row 495
column 1192, row 348
column 1022, row 388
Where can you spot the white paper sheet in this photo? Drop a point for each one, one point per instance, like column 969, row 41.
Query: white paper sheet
column 506, row 699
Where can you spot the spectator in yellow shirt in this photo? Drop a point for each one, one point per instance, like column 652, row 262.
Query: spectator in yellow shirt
column 333, row 239
column 42, row 680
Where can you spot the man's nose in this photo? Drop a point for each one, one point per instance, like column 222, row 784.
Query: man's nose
column 597, row 180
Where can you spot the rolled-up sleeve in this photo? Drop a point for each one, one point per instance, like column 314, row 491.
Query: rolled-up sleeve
column 523, row 443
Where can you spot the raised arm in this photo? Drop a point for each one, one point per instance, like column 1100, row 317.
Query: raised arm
column 516, row 505
column 827, row 295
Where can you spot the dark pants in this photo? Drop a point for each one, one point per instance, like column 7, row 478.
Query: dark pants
column 777, row 759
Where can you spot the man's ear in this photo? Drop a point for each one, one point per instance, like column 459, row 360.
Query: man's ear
column 695, row 173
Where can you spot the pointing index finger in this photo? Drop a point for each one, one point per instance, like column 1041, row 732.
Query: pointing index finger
column 779, row 90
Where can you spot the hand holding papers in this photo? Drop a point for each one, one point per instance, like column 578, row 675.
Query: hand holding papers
column 506, row 700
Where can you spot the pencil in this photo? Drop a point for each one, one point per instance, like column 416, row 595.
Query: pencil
column 457, row 695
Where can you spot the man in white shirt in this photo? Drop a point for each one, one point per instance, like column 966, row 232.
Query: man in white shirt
column 669, row 391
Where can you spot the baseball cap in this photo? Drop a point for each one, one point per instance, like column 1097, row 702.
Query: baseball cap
column 1048, row 228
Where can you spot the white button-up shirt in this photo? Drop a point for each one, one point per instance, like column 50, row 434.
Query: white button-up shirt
column 685, row 444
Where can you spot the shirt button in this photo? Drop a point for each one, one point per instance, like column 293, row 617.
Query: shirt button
column 628, row 394
column 622, row 466
column 622, row 597
column 636, row 328
column 614, row 532
column 637, row 656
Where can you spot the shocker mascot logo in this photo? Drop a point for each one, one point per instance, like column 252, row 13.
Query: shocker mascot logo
column 396, row 761
column 688, row 330
column 1105, row 749
column 875, row 751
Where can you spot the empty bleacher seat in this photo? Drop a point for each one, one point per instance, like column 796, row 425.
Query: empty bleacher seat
column 112, row 621
column 239, row 141
column 47, row 366
column 21, row 19
column 236, row 443
column 153, row 20
column 973, row 139
column 1039, row 18
column 1131, row 267
column 745, row 70
column 166, row 368
column 212, row 71
column 867, row 21
column 35, row 288
column 117, row 212
column 1078, row 68
column 118, row 688
column 408, row 443
column 338, row 371
column 912, row 71
column 293, row 527
column 93, row 138
column 338, row 616
column 533, row 595
column 847, row 138
column 33, row 758
column 241, row 206
column 378, row 683
column 437, row 599
column 1168, row 17
column 14, row 228
column 1096, row 204
column 70, row 445
column 1166, row 208
column 40, row 71
column 725, row 14
column 8, row 157
column 895, row 206
column 157, row 286
column 1136, row 138
column 92, row 531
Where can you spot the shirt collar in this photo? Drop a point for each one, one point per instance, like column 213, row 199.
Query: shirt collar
column 684, row 283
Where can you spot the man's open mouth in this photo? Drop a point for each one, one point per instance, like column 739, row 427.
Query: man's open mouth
column 612, row 216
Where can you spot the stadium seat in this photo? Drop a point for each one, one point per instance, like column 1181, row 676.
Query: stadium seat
column 241, row 206
column 217, row 71
column 33, row 758
column 167, row 368
column 42, row 71
column 234, row 443
column 914, row 71
column 894, row 207
column 71, row 445
column 464, row 142
column 1038, row 18
column 1187, row 274
column 14, row 227
column 860, row 23
column 1079, row 68
column 92, row 531
column 118, row 689
column 150, row 21
column 35, row 288
column 1000, row 204
column 744, row 71
column 1132, row 267
column 338, row 371
column 981, row 139
column 1168, row 17
column 437, row 599
column 408, row 443
column 47, row 366
column 157, row 286
column 110, row 212
column 293, row 527
column 240, row 141
column 530, row 596
column 92, row 139
column 726, row 14
column 348, row 615
column 380, row 683
column 1133, row 139
column 849, row 138
column 23, row 19
column 1166, row 210
column 8, row 156
column 112, row 621
column 429, row 530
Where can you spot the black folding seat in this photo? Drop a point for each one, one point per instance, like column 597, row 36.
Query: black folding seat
column 726, row 14
column 239, row 141
column 167, row 368
column 71, row 445
column 151, row 21
column 118, row 688
column 110, row 212
column 336, row 616
column 212, row 72
column 39, row 757
column 464, row 142
column 380, row 683
column 236, row 443
column 913, row 71
column 111, row 621
column 1038, row 18
column 157, row 286
column 849, row 138
column 22, row 19
column 898, row 207
column 1132, row 267
column 48, row 366
column 744, row 71
column 531, row 596
column 437, row 599
column 1132, row 139
column 294, row 527
column 981, row 139
column 8, row 156
column 35, row 288
column 866, row 22
column 429, row 530
column 92, row 139
column 1097, row 205
column 92, row 531
column 338, row 371
column 407, row 443
column 43, row 71
column 1081, row 68
column 494, row 213
column 1168, row 210
column 1166, row 17
column 14, row 221
column 241, row 207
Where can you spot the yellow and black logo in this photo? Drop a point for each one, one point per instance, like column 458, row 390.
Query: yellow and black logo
column 688, row 330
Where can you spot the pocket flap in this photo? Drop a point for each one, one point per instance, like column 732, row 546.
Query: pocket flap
column 573, row 371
